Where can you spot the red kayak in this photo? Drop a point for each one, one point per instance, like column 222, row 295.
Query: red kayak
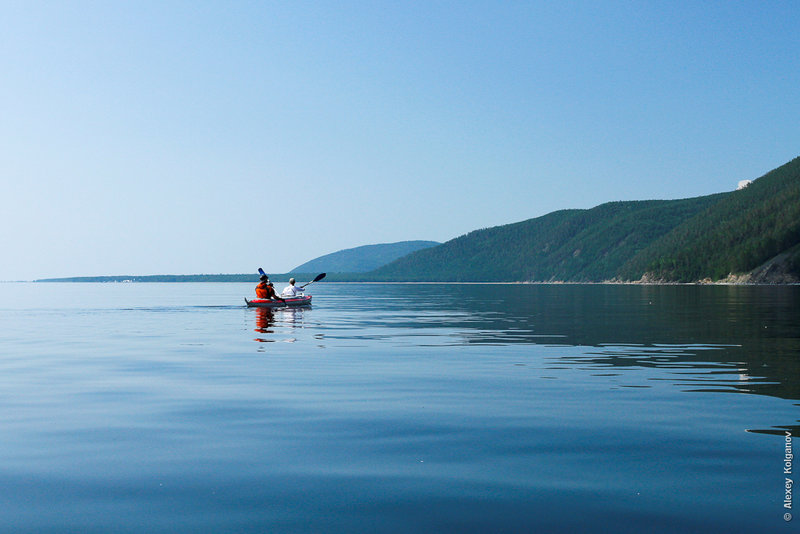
column 288, row 302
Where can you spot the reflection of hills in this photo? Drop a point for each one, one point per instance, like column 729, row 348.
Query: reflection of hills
column 701, row 367
column 746, row 333
column 731, row 338
column 794, row 430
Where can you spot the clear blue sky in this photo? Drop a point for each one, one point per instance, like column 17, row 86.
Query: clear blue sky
column 217, row 137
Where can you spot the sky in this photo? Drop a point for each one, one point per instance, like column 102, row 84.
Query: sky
column 165, row 137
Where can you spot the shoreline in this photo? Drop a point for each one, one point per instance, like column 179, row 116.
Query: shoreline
column 410, row 282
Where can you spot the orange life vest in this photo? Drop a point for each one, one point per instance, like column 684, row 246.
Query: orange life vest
column 263, row 291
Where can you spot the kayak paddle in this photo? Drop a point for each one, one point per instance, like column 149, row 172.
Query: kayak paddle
column 317, row 279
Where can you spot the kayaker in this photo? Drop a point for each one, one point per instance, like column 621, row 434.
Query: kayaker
column 291, row 290
column 264, row 289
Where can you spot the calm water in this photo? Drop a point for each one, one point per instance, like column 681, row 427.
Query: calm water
column 397, row 408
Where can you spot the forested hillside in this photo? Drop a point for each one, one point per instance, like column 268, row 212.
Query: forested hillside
column 686, row 240
column 575, row 245
column 736, row 235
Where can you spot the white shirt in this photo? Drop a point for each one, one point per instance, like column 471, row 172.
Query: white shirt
column 291, row 291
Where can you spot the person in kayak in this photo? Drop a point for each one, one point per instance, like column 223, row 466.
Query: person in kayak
column 264, row 289
column 291, row 290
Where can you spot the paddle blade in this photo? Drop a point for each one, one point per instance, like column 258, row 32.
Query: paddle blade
column 261, row 271
column 317, row 279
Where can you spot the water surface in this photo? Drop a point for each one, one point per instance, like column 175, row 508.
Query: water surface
column 397, row 408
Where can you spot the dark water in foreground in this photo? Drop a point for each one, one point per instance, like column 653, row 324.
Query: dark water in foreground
column 397, row 408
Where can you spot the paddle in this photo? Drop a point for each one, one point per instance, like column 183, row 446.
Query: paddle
column 262, row 273
column 317, row 279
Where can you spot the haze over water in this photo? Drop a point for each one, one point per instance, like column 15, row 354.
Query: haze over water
column 397, row 408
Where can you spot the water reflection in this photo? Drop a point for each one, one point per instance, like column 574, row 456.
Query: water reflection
column 265, row 319
column 274, row 323
column 405, row 408
column 695, row 339
column 733, row 338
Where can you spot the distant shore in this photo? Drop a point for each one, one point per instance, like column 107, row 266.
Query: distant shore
column 351, row 278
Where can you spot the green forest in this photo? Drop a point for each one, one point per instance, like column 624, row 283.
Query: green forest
column 571, row 245
column 684, row 240
column 736, row 235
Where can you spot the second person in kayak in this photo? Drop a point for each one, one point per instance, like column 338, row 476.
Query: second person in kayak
column 291, row 290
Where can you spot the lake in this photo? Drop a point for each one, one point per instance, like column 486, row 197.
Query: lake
column 155, row 408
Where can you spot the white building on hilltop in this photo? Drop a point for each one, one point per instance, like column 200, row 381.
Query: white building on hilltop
column 743, row 184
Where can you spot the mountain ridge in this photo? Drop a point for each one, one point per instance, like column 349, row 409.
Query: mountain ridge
column 364, row 258
column 721, row 237
column 567, row 245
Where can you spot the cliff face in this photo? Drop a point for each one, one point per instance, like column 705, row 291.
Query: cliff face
column 782, row 269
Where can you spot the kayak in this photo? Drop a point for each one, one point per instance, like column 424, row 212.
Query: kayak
column 289, row 302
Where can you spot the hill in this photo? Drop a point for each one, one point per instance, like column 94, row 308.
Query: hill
column 748, row 228
column 569, row 245
column 751, row 234
column 362, row 259
column 354, row 260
